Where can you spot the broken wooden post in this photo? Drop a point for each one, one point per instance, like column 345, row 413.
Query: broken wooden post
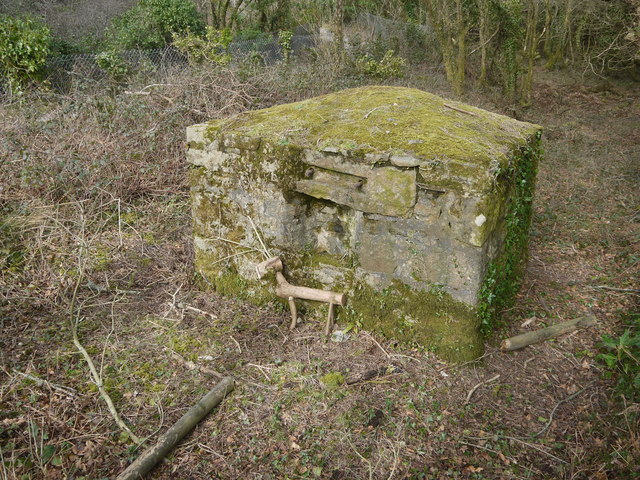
column 525, row 339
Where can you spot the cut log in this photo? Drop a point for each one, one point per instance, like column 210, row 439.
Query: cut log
column 150, row 457
column 525, row 339
column 286, row 290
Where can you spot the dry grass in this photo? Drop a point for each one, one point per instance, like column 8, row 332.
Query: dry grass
column 99, row 182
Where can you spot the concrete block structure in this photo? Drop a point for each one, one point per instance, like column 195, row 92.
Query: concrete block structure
column 417, row 207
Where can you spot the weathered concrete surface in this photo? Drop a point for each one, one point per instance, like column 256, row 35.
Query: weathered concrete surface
column 375, row 191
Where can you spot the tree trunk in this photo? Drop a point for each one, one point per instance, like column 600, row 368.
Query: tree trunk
column 339, row 25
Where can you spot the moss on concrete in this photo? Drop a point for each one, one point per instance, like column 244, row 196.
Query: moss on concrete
column 227, row 281
column 378, row 119
column 430, row 318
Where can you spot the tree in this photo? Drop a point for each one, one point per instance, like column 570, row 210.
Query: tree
column 450, row 20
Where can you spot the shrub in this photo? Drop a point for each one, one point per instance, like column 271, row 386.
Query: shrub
column 210, row 48
column 284, row 40
column 152, row 24
column 24, row 47
column 621, row 356
column 390, row 65
column 113, row 63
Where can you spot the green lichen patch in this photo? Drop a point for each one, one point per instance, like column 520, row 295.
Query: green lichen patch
column 378, row 119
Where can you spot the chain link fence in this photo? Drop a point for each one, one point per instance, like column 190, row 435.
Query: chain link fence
column 64, row 71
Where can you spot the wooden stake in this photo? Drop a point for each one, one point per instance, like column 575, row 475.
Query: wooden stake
column 294, row 313
column 521, row 341
column 330, row 318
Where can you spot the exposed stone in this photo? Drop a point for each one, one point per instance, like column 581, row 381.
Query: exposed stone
column 414, row 208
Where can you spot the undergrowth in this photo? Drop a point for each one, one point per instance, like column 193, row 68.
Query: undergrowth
column 621, row 356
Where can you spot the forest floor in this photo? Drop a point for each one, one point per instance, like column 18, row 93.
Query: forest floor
column 159, row 342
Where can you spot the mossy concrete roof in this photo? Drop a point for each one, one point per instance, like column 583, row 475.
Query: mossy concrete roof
column 379, row 119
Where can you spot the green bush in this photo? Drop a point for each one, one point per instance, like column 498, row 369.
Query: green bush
column 153, row 23
column 621, row 356
column 24, row 47
column 284, row 40
column 389, row 66
column 210, row 48
column 115, row 66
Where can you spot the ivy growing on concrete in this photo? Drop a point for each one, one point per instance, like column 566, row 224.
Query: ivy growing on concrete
column 504, row 275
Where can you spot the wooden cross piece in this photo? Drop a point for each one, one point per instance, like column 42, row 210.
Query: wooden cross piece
column 291, row 292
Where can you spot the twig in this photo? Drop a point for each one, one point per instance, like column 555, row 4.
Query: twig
column 261, row 370
column 233, row 255
column 535, row 447
column 570, row 397
column 472, row 391
column 41, row 382
column 370, row 112
column 379, row 346
column 97, row 379
column 201, row 312
column 459, row 110
column 193, row 366
column 633, row 291
column 143, row 92
column 237, row 344
column 480, row 447
column 265, row 250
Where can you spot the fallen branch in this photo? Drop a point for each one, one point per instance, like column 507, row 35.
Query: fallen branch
column 150, row 457
column 472, row 391
column 95, row 376
column 525, row 339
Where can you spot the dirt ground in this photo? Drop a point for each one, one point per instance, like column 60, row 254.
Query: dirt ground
column 363, row 408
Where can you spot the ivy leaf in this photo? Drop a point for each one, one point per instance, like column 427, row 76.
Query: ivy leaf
column 47, row 453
